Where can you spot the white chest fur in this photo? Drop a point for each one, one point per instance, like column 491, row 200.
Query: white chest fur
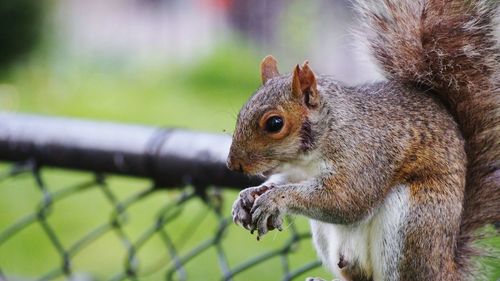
column 374, row 243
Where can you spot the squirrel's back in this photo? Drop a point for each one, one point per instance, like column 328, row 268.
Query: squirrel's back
column 449, row 49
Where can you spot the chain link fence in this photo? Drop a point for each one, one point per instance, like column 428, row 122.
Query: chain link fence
column 58, row 224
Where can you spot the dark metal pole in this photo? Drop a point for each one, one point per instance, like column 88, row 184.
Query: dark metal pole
column 171, row 157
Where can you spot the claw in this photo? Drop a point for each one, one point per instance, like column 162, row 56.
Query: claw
column 276, row 221
column 262, row 224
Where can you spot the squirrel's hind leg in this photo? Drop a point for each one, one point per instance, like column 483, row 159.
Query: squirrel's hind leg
column 430, row 233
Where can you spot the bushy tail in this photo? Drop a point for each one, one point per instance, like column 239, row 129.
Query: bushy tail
column 449, row 46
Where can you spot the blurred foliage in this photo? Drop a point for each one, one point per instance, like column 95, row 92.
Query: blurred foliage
column 20, row 28
column 205, row 95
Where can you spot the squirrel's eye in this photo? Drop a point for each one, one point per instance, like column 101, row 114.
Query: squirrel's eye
column 274, row 124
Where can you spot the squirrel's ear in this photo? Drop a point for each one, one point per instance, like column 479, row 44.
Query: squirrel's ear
column 268, row 68
column 304, row 84
column 296, row 88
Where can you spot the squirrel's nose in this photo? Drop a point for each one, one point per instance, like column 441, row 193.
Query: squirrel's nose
column 234, row 165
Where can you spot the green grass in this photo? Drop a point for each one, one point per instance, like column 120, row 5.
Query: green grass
column 204, row 96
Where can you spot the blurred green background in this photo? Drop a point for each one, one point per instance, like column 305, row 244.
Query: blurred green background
column 117, row 61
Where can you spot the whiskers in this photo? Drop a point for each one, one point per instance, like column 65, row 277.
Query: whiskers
column 289, row 224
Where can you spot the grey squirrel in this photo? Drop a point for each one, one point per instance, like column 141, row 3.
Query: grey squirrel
column 395, row 176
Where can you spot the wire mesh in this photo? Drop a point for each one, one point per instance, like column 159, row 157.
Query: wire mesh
column 207, row 218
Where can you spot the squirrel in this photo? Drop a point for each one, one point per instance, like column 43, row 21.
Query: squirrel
column 398, row 176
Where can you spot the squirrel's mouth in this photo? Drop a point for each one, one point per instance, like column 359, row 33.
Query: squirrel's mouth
column 267, row 173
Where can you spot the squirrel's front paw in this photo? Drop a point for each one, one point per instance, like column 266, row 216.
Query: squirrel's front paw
column 267, row 212
column 244, row 203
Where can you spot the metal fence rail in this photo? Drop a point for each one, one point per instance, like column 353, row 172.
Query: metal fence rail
column 187, row 165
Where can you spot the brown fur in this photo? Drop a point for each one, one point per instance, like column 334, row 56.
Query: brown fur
column 433, row 127
column 449, row 47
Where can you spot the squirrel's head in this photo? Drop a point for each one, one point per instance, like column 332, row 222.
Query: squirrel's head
column 274, row 126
